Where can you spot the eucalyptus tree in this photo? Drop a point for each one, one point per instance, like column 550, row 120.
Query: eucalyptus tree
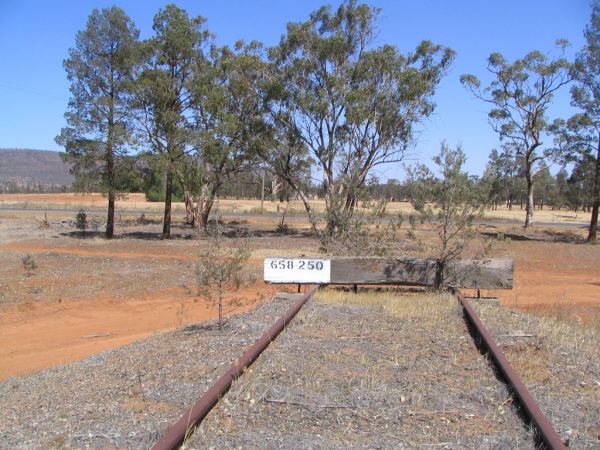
column 579, row 137
column 520, row 95
column 163, row 97
column 99, row 127
column 289, row 162
column 229, row 130
column 352, row 105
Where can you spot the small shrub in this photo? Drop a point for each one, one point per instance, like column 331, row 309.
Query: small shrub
column 81, row 221
column 28, row 264
column 44, row 222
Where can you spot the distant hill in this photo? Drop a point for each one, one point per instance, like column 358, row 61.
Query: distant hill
column 33, row 171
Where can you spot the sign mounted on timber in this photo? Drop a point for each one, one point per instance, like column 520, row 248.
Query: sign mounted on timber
column 298, row 270
column 473, row 273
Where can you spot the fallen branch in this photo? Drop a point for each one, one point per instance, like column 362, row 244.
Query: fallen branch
column 517, row 335
column 90, row 336
column 306, row 405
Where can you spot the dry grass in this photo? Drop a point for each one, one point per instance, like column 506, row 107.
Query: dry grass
column 433, row 307
column 583, row 341
column 558, row 362
column 248, row 206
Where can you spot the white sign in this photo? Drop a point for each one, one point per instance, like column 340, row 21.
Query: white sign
column 297, row 270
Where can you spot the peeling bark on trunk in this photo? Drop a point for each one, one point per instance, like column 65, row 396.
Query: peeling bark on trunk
column 204, row 205
column 205, row 213
column 190, row 211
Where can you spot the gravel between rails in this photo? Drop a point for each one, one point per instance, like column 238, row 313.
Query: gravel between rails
column 559, row 363
column 126, row 398
column 354, row 376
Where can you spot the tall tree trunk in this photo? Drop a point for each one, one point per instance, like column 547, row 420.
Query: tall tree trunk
column 190, row 210
column 166, row 234
column 206, row 208
column 530, row 205
column 110, row 176
column 596, row 198
column 206, row 202
column 275, row 186
column 110, row 220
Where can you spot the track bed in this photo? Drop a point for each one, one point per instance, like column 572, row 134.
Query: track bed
column 394, row 372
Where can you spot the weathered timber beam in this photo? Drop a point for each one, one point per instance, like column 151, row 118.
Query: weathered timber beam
column 475, row 273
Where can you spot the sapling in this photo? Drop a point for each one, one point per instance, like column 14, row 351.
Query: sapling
column 219, row 268
column 449, row 203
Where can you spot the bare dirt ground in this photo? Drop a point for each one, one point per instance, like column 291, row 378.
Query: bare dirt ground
column 87, row 295
column 343, row 375
column 125, row 398
column 136, row 284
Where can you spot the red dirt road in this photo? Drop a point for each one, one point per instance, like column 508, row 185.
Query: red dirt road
column 38, row 336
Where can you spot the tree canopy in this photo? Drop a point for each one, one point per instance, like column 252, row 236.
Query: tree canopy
column 520, row 94
column 351, row 105
column 163, row 97
column 580, row 135
column 100, row 69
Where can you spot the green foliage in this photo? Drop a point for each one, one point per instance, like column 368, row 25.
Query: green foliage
column 351, row 105
column 154, row 183
column 449, row 202
column 81, row 221
column 162, row 93
column 100, row 69
column 220, row 267
column 502, row 179
column 230, row 130
column 519, row 96
column 579, row 138
column 366, row 233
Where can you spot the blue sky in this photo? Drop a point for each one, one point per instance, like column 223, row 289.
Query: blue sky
column 35, row 36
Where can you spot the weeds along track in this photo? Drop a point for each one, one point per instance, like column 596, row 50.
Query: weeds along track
column 372, row 370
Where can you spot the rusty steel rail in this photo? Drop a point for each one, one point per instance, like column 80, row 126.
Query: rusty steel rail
column 178, row 432
column 546, row 432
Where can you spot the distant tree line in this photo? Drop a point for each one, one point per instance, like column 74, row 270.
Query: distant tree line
column 183, row 119
column 13, row 187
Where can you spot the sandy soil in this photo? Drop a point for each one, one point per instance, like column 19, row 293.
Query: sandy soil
column 136, row 284
column 556, row 273
column 89, row 295
column 38, row 336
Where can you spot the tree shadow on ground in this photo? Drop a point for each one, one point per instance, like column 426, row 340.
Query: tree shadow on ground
column 156, row 236
column 152, row 231
column 538, row 236
column 80, row 235
column 237, row 232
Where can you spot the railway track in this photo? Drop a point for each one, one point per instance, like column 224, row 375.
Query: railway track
column 181, row 431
